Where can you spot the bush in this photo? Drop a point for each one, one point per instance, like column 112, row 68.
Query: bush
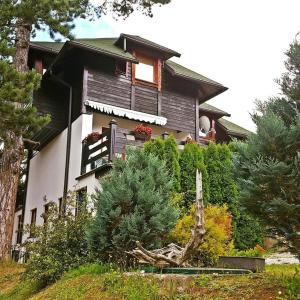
column 248, row 232
column 167, row 150
column 133, row 204
column 190, row 160
column 257, row 251
column 59, row 244
column 217, row 240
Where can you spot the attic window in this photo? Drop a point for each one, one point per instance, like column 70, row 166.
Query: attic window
column 144, row 72
column 147, row 71
column 121, row 68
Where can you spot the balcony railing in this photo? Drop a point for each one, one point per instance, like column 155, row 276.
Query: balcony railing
column 113, row 142
column 100, row 152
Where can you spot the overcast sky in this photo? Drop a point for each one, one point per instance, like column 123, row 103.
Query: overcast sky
column 240, row 44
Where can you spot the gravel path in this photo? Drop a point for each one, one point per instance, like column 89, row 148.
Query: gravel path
column 281, row 258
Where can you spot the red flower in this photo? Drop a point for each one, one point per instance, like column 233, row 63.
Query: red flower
column 92, row 138
column 143, row 129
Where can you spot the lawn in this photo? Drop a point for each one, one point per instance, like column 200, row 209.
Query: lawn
column 97, row 282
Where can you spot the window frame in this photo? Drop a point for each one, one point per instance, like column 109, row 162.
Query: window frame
column 80, row 195
column 148, row 60
column 32, row 221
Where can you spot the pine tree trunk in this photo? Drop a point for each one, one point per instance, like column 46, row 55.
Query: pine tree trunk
column 12, row 156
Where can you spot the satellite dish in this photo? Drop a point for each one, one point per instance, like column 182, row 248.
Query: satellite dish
column 204, row 124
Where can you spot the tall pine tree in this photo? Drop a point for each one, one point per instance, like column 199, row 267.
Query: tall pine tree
column 19, row 20
column 269, row 164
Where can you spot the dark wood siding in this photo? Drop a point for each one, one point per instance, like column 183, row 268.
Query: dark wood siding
column 146, row 99
column 108, row 88
column 52, row 99
column 177, row 97
column 180, row 112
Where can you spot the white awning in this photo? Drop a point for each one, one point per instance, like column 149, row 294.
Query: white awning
column 127, row 113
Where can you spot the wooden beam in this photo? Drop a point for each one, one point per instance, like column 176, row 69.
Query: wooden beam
column 38, row 65
column 159, row 103
column 159, row 76
column 113, row 140
column 132, row 100
column 133, row 70
column 197, row 119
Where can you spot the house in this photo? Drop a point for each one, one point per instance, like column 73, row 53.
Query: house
column 109, row 86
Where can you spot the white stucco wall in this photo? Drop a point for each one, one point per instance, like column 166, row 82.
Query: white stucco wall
column 80, row 129
column 47, row 170
column 47, row 167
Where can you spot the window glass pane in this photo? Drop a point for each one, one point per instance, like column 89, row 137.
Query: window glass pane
column 144, row 72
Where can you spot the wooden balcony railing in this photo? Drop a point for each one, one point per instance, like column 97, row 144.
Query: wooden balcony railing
column 102, row 151
column 113, row 142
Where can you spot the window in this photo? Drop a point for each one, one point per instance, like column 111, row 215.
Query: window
column 80, row 200
column 144, row 72
column 121, row 68
column 46, row 210
column 147, row 71
column 61, row 206
column 19, row 230
column 32, row 222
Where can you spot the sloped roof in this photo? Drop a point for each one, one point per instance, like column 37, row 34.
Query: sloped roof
column 47, row 46
column 139, row 40
column 181, row 71
column 233, row 129
column 108, row 46
column 102, row 45
column 214, row 110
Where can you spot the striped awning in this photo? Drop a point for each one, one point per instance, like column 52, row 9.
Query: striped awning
column 126, row 113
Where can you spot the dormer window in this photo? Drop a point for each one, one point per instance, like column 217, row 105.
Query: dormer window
column 147, row 71
column 144, row 72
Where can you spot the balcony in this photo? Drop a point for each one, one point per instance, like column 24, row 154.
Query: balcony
column 112, row 143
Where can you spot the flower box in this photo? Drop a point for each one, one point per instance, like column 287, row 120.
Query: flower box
column 92, row 138
column 142, row 132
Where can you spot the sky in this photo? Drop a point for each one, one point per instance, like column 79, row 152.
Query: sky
column 239, row 43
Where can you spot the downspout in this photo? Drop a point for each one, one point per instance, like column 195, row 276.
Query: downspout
column 69, row 134
column 29, row 157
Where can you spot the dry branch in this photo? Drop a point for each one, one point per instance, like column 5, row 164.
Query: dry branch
column 174, row 255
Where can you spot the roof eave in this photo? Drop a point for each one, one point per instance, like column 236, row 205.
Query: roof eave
column 102, row 51
column 160, row 48
column 234, row 133
column 67, row 44
column 215, row 112
column 175, row 74
column 43, row 48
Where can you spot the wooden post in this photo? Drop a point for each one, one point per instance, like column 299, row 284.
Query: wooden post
column 38, row 65
column 159, row 103
column 165, row 135
column 132, row 100
column 113, row 140
column 84, row 157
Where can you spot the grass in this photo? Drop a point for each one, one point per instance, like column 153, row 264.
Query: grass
column 106, row 282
